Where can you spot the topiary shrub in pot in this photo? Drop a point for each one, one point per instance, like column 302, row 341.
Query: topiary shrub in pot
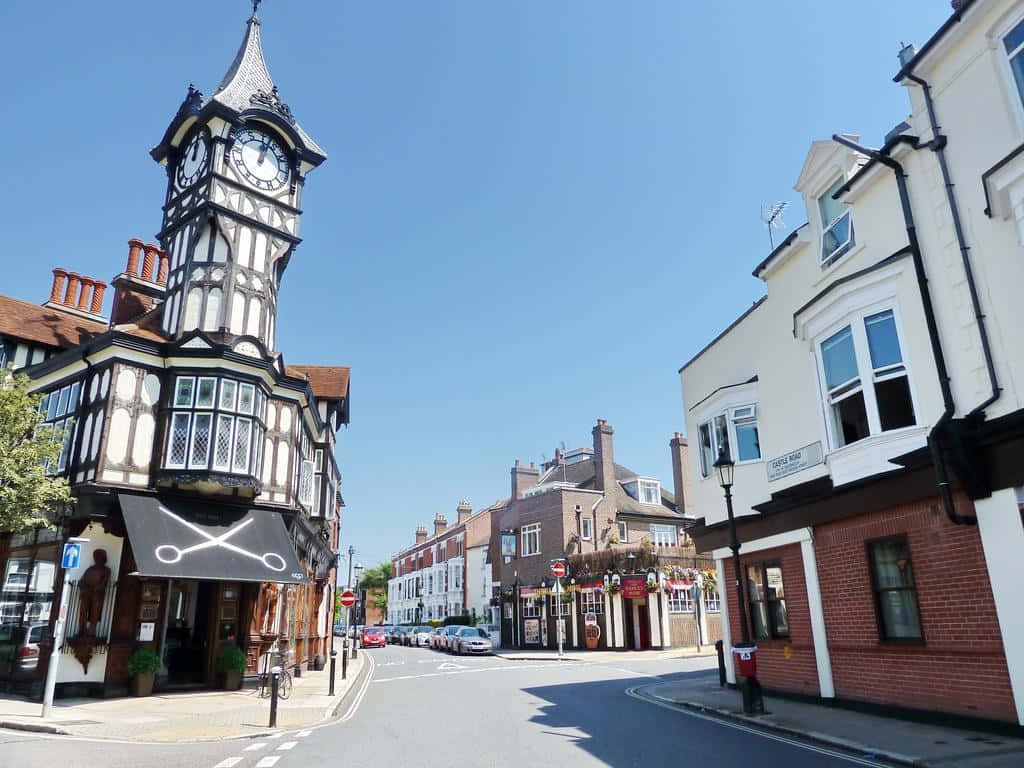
column 232, row 665
column 142, row 669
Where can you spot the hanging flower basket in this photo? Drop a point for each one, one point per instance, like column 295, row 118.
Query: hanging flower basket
column 614, row 588
column 652, row 587
column 566, row 598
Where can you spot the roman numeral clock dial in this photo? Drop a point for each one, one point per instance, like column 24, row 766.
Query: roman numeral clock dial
column 193, row 160
column 260, row 159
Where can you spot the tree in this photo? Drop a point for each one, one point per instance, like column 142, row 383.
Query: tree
column 376, row 577
column 380, row 601
column 27, row 447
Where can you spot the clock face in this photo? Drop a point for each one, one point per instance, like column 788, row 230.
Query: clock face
column 193, row 160
column 260, row 159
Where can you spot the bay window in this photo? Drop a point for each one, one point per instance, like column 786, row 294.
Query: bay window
column 216, row 424
column 59, row 411
column 866, row 382
column 736, row 427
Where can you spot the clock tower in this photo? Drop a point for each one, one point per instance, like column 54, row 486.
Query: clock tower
column 236, row 164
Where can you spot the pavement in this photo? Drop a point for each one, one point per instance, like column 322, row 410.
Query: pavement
column 899, row 742
column 546, row 654
column 183, row 717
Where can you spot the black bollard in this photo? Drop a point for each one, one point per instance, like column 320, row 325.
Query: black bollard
column 275, row 678
column 297, row 669
column 355, row 644
column 334, row 656
column 344, row 663
column 719, row 649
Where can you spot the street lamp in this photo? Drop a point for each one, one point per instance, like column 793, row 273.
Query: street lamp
column 724, row 467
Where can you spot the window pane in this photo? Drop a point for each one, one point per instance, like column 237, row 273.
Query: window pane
column 836, row 238
column 755, row 586
column 895, row 408
column 831, row 209
column 775, row 590
column 62, row 408
column 759, row 621
column 707, row 457
column 201, row 440
column 246, row 395
column 780, row 619
column 207, row 393
column 51, row 412
column 1017, row 65
column 891, row 562
column 722, row 435
column 882, row 340
column 222, row 448
column 227, row 394
column 851, row 419
column 1013, row 40
column 183, row 392
column 747, row 445
column 899, row 614
column 839, row 358
column 178, row 444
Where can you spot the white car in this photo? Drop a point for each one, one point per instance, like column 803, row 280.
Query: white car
column 421, row 637
column 472, row 640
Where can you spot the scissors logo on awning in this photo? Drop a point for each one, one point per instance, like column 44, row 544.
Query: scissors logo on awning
column 171, row 553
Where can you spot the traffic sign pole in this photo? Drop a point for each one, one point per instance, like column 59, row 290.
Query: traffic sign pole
column 558, row 571
column 69, row 561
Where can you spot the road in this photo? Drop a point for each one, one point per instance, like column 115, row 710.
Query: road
column 424, row 708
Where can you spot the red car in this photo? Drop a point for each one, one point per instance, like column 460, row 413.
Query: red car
column 373, row 637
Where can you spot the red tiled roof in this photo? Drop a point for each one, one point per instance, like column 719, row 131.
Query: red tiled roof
column 44, row 325
column 329, row 382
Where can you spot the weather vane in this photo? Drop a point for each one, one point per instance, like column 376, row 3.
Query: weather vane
column 255, row 6
column 772, row 218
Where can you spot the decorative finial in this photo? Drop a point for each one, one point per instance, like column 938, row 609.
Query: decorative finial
column 255, row 7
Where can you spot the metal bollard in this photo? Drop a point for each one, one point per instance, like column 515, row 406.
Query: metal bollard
column 334, row 656
column 355, row 645
column 275, row 678
column 344, row 662
column 719, row 649
column 297, row 672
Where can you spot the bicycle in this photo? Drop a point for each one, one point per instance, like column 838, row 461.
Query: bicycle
column 284, row 680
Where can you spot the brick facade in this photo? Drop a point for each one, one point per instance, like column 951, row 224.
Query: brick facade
column 960, row 666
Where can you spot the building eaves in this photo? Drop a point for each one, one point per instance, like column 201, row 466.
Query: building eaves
column 715, row 391
column 925, row 49
column 720, row 336
column 49, row 327
column 778, row 250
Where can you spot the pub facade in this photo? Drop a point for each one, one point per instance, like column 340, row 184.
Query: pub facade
column 202, row 466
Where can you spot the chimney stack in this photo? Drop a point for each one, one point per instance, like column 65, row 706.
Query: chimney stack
column 77, row 296
column 440, row 524
column 604, row 457
column 523, row 479
column 680, row 474
column 464, row 510
column 139, row 289
column 421, row 534
column 59, row 276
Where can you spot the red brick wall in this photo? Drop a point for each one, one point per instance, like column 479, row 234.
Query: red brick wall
column 785, row 664
column 961, row 667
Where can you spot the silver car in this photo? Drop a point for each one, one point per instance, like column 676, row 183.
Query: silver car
column 421, row 637
column 473, row 640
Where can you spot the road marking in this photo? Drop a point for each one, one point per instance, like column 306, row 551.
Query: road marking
column 302, row 734
column 228, row 762
column 450, row 665
column 359, row 696
column 256, row 746
column 277, row 735
column 268, row 762
column 286, row 746
column 659, row 702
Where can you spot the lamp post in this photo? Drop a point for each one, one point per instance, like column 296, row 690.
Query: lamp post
column 724, row 466
column 355, row 633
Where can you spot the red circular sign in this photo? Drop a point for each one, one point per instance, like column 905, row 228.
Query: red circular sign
column 558, row 570
column 348, row 598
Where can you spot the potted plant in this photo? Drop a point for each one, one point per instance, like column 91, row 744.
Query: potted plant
column 652, row 587
column 142, row 669
column 232, row 665
column 614, row 588
column 566, row 598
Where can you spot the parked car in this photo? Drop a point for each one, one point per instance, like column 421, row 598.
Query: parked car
column 19, row 650
column 408, row 636
column 395, row 635
column 421, row 636
column 449, row 635
column 436, row 638
column 472, row 640
column 373, row 637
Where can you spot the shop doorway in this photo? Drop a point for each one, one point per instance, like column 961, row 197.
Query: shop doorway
column 638, row 625
column 186, row 654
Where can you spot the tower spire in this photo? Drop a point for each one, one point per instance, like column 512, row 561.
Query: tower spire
column 255, row 7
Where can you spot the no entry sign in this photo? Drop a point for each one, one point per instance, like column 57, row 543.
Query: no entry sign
column 558, row 570
column 348, row 598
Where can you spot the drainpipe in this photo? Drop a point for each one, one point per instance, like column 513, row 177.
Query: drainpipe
column 938, row 146
column 593, row 515
column 949, row 405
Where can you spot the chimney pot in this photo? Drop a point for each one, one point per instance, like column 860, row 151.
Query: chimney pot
column 99, row 287
column 149, row 261
column 71, row 294
column 135, row 246
column 85, row 297
column 59, row 276
column 161, row 276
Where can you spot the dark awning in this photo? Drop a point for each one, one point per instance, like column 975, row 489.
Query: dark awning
column 180, row 539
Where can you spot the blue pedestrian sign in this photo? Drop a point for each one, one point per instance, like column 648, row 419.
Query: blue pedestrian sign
column 72, row 554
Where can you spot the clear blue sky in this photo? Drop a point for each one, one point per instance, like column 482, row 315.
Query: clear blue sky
column 531, row 215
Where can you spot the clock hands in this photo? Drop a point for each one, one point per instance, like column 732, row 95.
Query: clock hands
column 263, row 153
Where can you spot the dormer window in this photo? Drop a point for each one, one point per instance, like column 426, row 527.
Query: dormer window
column 836, row 225
column 649, row 492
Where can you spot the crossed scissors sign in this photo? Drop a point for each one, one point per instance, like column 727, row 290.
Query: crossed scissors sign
column 173, row 553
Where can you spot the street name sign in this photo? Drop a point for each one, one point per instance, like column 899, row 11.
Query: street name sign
column 794, row 461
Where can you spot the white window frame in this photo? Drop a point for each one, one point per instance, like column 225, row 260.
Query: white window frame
column 187, row 415
column 586, row 528
column 680, row 600
column 623, row 531
column 591, row 602
column 713, row 601
column 866, row 373
column 664, row 533
column 205, row 462
column 997, row 35
column 847, row 245
column 530, row 608
column 529, row 530
column 745, row 413
column 640, row 483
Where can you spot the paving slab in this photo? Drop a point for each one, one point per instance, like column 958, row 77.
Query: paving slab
column 897, row 741
column 575, row 654
column 194, row 716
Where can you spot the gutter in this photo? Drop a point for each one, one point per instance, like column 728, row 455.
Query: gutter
column 951, row 22
column 937, row 432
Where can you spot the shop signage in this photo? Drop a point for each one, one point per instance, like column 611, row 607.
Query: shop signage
column 146, row 631
column 528, row 592
column 634, row 586
column 591, row 634
column 794, row 461
column 590, row 619
column 531, row 631
column 508, row 544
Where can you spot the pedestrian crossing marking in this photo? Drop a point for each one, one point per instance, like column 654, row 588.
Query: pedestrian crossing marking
column 254, row 747
column 268, row 762
column 228, row 762
column 303, row 734
column 286, row 746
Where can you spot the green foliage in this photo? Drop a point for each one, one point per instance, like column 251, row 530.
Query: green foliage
column 143, row 661
column 232, row 660
column 26, row 447
column 434, row 623
column 380, row 600
column 376, row 577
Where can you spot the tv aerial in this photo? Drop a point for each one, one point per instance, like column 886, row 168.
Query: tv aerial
column 771, row 217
